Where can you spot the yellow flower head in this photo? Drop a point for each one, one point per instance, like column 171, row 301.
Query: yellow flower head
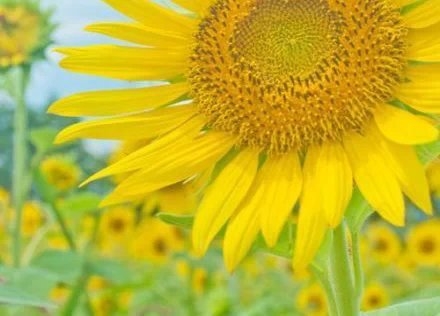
column 59, row 293
column 33, row 217
column 115, row 230
column 57, row 241
column 375, row 296
column 155, row 241
column 423, row 243
column 383, row 243
column 60, row 172
column 199, row 280
column 290, row 102
column 24, row 32
column 312, row 301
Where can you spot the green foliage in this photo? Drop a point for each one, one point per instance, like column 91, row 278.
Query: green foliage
column 425, row 307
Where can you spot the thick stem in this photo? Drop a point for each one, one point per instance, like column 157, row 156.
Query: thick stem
column 341, row 274
column 19, row 177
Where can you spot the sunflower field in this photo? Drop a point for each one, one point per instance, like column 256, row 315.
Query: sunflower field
column 220, row 157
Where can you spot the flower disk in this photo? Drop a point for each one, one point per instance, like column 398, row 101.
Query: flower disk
column 284, row 75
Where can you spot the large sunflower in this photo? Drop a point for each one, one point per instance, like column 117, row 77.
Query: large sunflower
column 286, row 102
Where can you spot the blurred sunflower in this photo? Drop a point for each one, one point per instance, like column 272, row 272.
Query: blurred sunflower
column 292, row 101
column 423, row 243
column 33, row 218
column 116, row 227
column 155, row 241
column 60, row 172
column 383, row 243
column 25, row 32
column 375, row 296
column 312, row 301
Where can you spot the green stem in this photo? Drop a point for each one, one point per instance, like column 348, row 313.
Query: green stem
column 327, row 286
column 77, row 291
column 341, row 274
column 19, row 177
column 357, row 266
column 64, row 229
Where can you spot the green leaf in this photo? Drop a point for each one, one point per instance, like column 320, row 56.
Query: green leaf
column 183, row 221
column 428, row 152
column 112, row 270
column 80, row 203
column 42, row 138
column 14, row 296
column 65, row 265
column 425, row 307
column 284, row 246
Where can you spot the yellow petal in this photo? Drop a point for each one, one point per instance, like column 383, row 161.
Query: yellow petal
column 403, row 127
column 132, row 127
column 139, row 34
column 311, row 222
column 376, row 181
column 113, row 102
column 171, row 165
column 422, row 91
column 153, row 15
column 277, row 190
column 196, row 6
column 240, row 235
column 425, row 14
column 405, row 164
column 424, row 44
column 183, row 134
column 333, row 172
column 128, row 63
column 222, row 198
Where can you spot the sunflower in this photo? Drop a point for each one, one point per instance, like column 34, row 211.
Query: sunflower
column 155, row 241
column 25, row 32
column 374, row 297
column 291, row 103
column 60, row 172
column 423, row 243
column 312, row 301
column 383, row 243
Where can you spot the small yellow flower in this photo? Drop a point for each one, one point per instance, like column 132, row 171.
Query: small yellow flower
column 57, row 241
column 182, row 268
column 96, row 283
column 59, row 293
column 312, row 301
column 117, row 222
column 33, row 217
column 155, row 241
column 60, row 172
column 102, row 305
column 423, row 243
column 375, row 296
column 199, row 280
column 124, row 299
column 25, row 32
column 383, row 243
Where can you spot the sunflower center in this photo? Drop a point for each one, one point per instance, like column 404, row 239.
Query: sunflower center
column 286, row 74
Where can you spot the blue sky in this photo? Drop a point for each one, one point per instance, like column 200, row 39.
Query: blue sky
column 48, row 80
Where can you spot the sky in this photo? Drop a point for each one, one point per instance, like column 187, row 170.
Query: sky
column 48, row 80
